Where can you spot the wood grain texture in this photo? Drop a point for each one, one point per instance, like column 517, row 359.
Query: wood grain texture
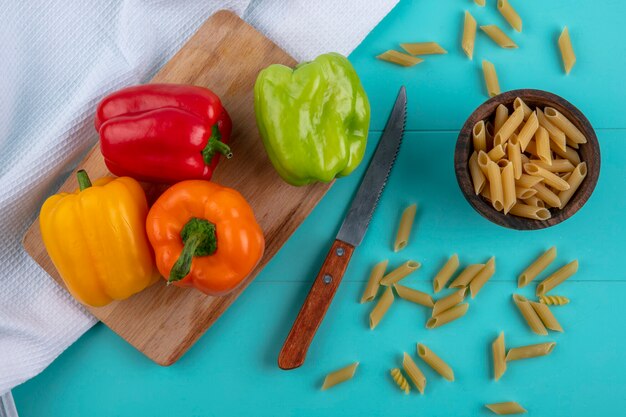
column 589, row 153
column 225, row 55
column 314, row 309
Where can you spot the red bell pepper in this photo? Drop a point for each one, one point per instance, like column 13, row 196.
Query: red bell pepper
column 163, row 132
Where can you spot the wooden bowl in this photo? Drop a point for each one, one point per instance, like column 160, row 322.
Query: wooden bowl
column 589, row 153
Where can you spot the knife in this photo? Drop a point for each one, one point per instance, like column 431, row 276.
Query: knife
column 350, row 235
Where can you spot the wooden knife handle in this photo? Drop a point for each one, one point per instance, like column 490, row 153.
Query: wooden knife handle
column 314, row 308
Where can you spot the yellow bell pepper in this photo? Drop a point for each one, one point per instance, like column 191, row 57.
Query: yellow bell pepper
column 96, row 238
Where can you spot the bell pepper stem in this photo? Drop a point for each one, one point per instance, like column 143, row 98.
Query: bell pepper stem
column 215, row 145
column 83, row 179
column 200, row 239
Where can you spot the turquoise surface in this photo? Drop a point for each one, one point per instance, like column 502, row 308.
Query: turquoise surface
column 232, row 370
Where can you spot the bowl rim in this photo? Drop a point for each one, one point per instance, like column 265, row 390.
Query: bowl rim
column 462, row 149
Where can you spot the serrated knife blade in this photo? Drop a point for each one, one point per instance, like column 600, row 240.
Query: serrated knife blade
column 350, row 235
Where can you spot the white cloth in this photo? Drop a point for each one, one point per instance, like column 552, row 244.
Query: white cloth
column 58, row 58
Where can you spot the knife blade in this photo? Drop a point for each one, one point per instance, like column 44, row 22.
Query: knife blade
column 350, row 235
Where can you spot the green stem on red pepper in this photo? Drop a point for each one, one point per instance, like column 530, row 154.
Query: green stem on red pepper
column 200, row 239
column 214, row 145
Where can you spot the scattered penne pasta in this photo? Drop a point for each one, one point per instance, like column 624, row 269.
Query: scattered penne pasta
column 404, row 229
column 444, row 275
column 553, row 300
column 339, row 376
column 399, row 58
column 415, row 296
column 447, row 302
column 481, row 3
column 567, row 51
column 530, row 351
column 529, row 314
column 380, row 309
column 400, row 380
column 415, row 374
column 469, row 35
column 435, row 362
column 423, row 48
column 466, row 276
column 506, row 408
column 371, row 289
column 399, row 273
column 498, row 36
column 546, row 316
column 499, row 356
column 536, row 267
column 557, row 278
column 510, row 15
column 491, row 79
column 482, row 276
column 447, row 316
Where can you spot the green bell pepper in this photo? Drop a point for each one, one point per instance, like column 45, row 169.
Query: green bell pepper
column 313, row 119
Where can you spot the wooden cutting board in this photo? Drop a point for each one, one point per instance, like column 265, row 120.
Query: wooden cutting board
column 225, row 55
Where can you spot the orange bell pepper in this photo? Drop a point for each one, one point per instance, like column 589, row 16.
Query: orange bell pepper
column 204, row 236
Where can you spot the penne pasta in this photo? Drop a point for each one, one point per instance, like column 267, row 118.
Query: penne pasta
column 548, row 197
column 415, row 374
column 515, row 156
column 508, row 187
column 444, row 275
column 553, row 300
column 415, row 296
column 549, row 178
column 489, row 134
column 530, row 351
column 435, row 362
column 483, row 161
column 481, row 3
column 466, row 276
column 423, row 48
column 399, row 58
column 502, row 114
column 542, row 141
column 566, row 178
column 371, row 289
column 510, row 15
column 399, row 273
column 498, row 36
column 496, row 153
column 499, row 356
column 558, row 165
column 482, row 276
column 379, row 310
column 495, row 186
column 448, row 302
column 478, row 177
column 534, row 201
column 528, row 130
column 524, row 193
column 485, row 193
column 556, row 135
column 529, row 314
column 530, row 212
column 404, row 229
column 339, row 376
column 557, row 278
column 565, row 125
column 574, row 180
column 505, row 408
column 509, row 126
column 569, row 154
column 447, row 316
column 546, row 316
column 536, row 267
column 400, row 380
column 520, row 103
column 567, row 51
column 469, row 35
column 479, row 137
column 528, row 181
column 503, row 162
column 491, row 79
